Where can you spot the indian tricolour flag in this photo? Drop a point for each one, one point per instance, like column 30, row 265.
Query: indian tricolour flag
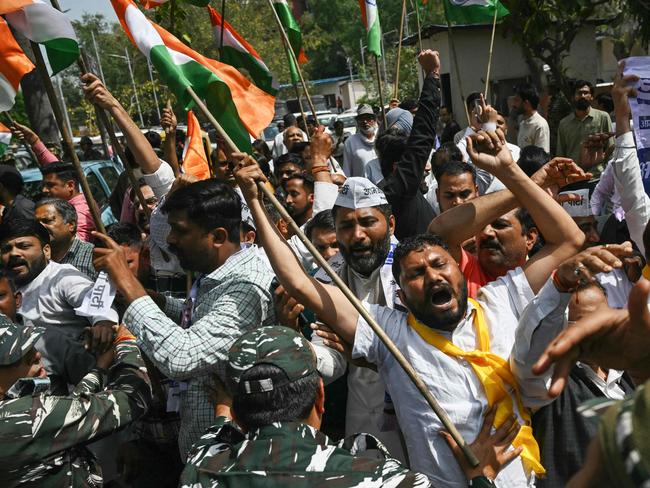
column 38, row 21
column 370, row 18
column 468, row 12
column 241, row 108
column 195, row 161
column 240, row 54
column 157, row 3
column 5, row 138
column 14, row 64
column 292, row 29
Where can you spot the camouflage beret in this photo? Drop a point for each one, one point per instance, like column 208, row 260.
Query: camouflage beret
column 15, row 340
column 278, row 346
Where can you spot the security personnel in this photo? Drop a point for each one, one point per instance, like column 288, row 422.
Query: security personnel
column 278, row 403
column 43, row 435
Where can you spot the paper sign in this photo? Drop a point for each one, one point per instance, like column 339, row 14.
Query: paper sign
column 99, row 299
column 640, row 105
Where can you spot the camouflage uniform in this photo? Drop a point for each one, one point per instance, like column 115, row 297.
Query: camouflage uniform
column 43, row 435
column 285, row 453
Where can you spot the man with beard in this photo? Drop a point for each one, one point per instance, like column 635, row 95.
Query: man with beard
column 359, row 149
column 50, row 291
column 440, row 330
column 189, row 341
column 299, row 198
column 364, row 227
column 584, row 121
column 60, row 219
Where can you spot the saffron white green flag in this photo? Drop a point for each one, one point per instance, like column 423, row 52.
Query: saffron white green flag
column 240, row 54
column 157, row 3
column 14, row 64
column 370, row 18
column 38, row 21
column 468, row 12
column 5, row 138
column 240, row 107
column 294, row 34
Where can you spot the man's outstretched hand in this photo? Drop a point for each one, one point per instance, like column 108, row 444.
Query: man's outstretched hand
column 618, row 339
column 247, row 174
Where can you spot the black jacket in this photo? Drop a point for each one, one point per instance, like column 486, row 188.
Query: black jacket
column 412, row 211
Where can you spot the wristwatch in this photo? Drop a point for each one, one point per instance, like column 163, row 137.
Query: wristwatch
column 481, row 482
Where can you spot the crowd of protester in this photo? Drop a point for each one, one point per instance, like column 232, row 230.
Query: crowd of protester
column 511, row 277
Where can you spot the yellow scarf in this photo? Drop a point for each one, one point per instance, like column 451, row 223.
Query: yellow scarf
column 646, row 272
column 494, row 374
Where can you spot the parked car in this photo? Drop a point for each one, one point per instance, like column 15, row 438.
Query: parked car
column 102, row 178
column 349, row 123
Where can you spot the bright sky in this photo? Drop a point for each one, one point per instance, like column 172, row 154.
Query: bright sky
column 78, row 7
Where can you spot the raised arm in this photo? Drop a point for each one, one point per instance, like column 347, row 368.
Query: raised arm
column 169, row 123
column 625, row 164
column 98, row 94
column 406, row 181
column 28, row 136
column 563, row 237
column 463, row 222
column 327, row 302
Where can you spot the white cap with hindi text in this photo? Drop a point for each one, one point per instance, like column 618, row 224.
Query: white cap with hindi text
column 359, row 192
column 578, row 208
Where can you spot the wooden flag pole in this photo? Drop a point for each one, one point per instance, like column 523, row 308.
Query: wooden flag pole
column 302, row 110
column 292, row 55
column 456, row 67
column 380, row 89
column 383, row 337
column 415, row 7
column 117, row 147
column 399, row 49
column 223, row 27
column 494, row 28
column 67, row 137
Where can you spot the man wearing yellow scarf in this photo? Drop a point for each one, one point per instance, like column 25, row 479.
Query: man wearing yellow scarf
column 460, row 348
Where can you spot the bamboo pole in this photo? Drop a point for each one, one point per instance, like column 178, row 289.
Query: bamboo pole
column 294, row 58
column 302, row 111
column 456, row 67
column 383, row 337
column 117, row 147
column 487, row 76
column 415, row 7
column 381, row 95
column 67, row 137
column 399, row 50
column 223, row 27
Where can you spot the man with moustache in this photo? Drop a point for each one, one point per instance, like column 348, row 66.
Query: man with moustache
column 359, row 149
column 584, row 121
column 442, row 326
column 505, row 232
column 189, row 341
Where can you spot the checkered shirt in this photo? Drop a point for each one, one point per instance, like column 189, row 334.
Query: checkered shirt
column 232, row 300
column 80, row 255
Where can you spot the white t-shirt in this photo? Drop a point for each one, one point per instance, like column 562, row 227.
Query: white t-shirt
column 451, row 381
column 534, row 131
column 50, row 299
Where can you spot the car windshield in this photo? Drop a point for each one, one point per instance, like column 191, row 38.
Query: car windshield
column 270, row 132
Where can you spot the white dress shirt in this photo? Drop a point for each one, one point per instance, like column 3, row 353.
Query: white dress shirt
column 452, row 381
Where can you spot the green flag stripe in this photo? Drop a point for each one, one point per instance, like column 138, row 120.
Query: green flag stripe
column 474, row 14
column 61, row 53
column 263, row 79
column 208, row 86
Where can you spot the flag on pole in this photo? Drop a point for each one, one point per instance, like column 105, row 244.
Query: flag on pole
column 157, row 3
column 468, row 12
column 195, row 162
column 370, row 18
column 292, row 29
column 40, row 22
column 242, row 109
column 14, row 64
column 5, row 138
column 240, row 54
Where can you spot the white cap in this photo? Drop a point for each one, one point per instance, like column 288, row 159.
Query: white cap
column 578, row 208
column 359, row 192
